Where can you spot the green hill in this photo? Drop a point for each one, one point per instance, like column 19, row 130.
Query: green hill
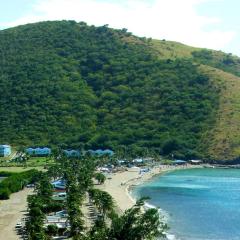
column 172, row 50
column 222, row 142
column 67, row 83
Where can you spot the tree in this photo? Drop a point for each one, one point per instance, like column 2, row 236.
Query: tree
column 75, row 216
column 44, row 188
column 34, row 224
column 137, row 225
column 4, row 193
column 75, row 196
column 134, row 224
column 52, row 230
column 101, row 178
column 103, row 201
column 55, row 171
column 170, row 145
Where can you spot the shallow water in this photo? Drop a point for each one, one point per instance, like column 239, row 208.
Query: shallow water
column 201, row 204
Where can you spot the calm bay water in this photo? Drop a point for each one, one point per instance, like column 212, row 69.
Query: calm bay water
column 201, row 204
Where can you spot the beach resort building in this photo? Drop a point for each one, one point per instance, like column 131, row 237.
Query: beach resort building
column 5, row 150
column 59, row 219
column 195, row 162
column 100, row 152
column 59, row 196
column 59, row 184
column 38, row 151
column 142, row 161
column 71, row 153
column 179, row 162
column 138, row 161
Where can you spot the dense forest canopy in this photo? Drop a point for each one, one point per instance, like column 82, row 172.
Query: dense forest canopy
column 67, row 83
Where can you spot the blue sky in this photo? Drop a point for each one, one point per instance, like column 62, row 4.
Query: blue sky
column 228, row 12
column 201, row 23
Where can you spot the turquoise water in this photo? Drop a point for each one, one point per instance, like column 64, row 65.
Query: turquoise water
column 201, row 204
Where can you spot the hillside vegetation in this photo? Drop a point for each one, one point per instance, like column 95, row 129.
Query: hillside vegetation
column 70, row 84
column 222, row 141
column 172, row 50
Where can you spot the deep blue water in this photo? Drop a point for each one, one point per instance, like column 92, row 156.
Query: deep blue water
column 201, row 204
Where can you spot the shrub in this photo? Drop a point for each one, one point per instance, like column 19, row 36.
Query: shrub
column 16, row 182
column 4, row 193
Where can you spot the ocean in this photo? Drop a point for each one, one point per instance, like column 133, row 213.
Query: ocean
column 198, row 204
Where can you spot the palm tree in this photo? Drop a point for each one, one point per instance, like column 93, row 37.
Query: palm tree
column 44, row 188
column 55, row 171
column 134, row 224
column 34, row 224
column 74, row 202
column 101, row 178
column 137, row 225
column 103, row 201
column 52, row 230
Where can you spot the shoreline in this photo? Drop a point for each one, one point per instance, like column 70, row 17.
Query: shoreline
column 125, row 199
column 119, row 185
column 158, row 171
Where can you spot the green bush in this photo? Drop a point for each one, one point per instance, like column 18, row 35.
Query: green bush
column 53, row 206
column 16, row 182
column 4, row 193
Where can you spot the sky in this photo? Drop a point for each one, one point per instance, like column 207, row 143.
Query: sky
column 210, row 24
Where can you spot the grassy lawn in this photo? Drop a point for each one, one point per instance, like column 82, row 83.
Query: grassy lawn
column 34, row 162
column 39, row 161
column 19, row 169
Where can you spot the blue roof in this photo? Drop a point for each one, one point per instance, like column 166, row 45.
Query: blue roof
column 29, row 148
column 72, row 152
column 108, row 151
column 138, row 160
column 98, row 151
column 4, row 146
column 37, row 148
column 101, row 152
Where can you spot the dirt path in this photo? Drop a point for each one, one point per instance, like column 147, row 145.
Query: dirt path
column 11, row 212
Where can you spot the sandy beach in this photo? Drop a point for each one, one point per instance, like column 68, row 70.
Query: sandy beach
column 119, row 184
column 11, row 212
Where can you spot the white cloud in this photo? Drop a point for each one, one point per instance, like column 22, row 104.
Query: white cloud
column 160, row 19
